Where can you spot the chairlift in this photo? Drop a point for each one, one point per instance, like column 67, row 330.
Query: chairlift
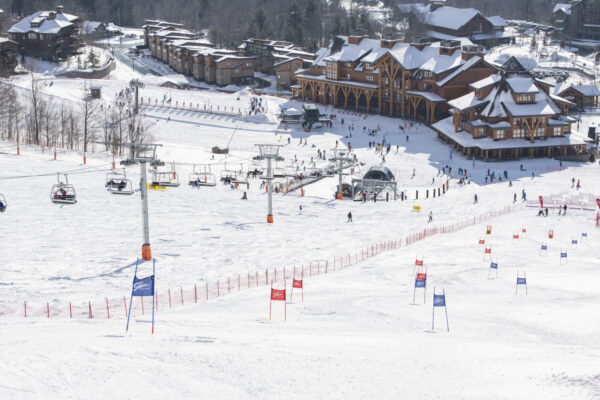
column 117, row 183
column 3, row 203
column 205, row 178
column 290, row 171
column 228, row 174
column 165, row 178
column 63, row 192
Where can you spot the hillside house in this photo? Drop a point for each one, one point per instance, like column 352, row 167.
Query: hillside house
column 9, row 50
column 49, row 35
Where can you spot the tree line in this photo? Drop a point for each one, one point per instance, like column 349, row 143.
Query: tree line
column 29, row 116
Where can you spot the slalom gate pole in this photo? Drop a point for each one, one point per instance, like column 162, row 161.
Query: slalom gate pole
column 131, row 300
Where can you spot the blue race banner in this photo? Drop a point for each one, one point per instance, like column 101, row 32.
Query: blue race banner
column 419, row 283
column 563, row 255
column 521, row 281
column 583, row 234
column 494, row 265
column 574, row 241
column 143, row 287
column 439, row 300
column 544, row 247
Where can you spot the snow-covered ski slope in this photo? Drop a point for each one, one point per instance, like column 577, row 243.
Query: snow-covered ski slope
column 357, row 334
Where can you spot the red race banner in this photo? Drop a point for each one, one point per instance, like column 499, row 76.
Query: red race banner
column 515, row 236
column 421, row 277
column 297, row 284
column 419, row 263
column 598, row 202
column 278, row 295
column 488, row 251
column 541, row 202
column 481, row 241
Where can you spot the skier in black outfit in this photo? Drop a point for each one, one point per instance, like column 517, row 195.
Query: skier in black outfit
column 349, row 217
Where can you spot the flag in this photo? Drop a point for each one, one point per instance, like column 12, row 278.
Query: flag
column 563, row 255
column 277, row 294
column 521, row 281
column 439, row 300
column 297, row 284
column 494, row 265
column 143, row 287
column 544, row 247
column 419, row 283
column 419, row 263
column 583, row 234
column 574, row 241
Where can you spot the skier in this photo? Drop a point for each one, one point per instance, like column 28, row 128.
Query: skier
column 578, row 184
column 475, row 199
column 573, row 182
column 565, row 209
column 546, row 211
column 524, row 195
column 349, row 217
column 244, row 197
column 300, row 210
column 430, row 216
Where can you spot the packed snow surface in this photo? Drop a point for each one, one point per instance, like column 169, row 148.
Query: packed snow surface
column 358, row 333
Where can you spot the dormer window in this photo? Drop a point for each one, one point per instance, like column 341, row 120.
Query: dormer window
column 526, row 98
column 427, row 74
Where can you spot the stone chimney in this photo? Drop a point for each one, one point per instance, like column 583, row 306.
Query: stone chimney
column 59, row 9
column 469, row 52
column 51, row 15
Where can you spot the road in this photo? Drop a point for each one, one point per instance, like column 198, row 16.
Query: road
column 121, row 54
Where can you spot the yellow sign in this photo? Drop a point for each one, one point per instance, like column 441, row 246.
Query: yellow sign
column 416, row 208
column 156, row 187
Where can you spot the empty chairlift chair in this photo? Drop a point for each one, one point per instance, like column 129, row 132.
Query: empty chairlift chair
column 3, row 203
column 165, row 178
column 63, row 192
column 117, row 183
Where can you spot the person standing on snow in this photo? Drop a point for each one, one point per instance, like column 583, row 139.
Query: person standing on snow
column 430, row 216
column 475, row 199
column 349, row 217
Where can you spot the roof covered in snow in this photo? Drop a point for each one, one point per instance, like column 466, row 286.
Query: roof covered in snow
column 586, row 90
column 497, row 21
column 564, row 7
column 499, row 103
column 450, row 17
column 43, row 22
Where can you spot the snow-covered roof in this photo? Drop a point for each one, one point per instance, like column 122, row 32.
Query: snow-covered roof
column 413, row 8
column 586, row 90
column 468, row 64
column 354, row 52
column 428, row 95
column 497, row 21
column 46, row 25
column 450, row 17
column 566, row 8
column 501, row 125
column 467, row 101
column 490, row 80
column 522, row 85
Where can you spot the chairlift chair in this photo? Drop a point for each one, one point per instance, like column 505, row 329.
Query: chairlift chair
column 227, row 173
column 63, row 193
column 165, row 178
column 3, row 203
column 202, row 178
column 117, row 183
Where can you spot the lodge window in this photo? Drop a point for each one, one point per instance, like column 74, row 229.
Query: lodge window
column 427, row 74
column 525, row 98
column 349, row 65
column 500, row 134
column 540, row 132
column 32, row 36
column 518, row 133
column 348, row 76
column 370, row 78
column 517, row 122
column 368, row 67
column 557, row 131
column 396, row 83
